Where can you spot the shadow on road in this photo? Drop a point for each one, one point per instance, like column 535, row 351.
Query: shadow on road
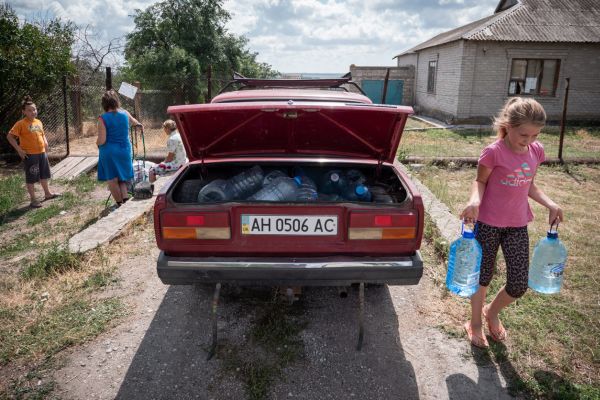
column 171, row 359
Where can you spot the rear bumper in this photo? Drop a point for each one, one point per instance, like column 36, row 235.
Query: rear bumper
column 325, row 271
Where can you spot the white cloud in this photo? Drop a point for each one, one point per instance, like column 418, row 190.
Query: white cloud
column 297, row 35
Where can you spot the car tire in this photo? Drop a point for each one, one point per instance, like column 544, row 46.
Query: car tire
column 188, row 191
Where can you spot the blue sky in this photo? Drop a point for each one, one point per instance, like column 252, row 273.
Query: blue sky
column 296, row 35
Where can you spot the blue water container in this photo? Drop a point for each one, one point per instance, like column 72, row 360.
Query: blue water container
column 547, row 264
column 271, row 176
column 464, row 263
column 356, row 192
column 215, row 191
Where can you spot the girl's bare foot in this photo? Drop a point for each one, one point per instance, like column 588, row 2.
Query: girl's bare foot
column 476, row 336
column 497, row 331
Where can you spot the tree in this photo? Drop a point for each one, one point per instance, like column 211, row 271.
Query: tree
column 34, row 56
column 175, row 41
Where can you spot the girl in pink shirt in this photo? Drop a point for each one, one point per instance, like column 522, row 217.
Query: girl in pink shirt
column 499, row 205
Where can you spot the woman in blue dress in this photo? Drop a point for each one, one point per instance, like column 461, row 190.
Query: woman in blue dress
column 115, row 165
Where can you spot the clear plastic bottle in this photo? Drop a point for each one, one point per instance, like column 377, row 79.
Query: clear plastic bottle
column 280, row 189
column 356, row 192
column 307, row 190
column 271, row 176
column 332, row 182
column 215, row 191
column 246, row 183
column 464, row 263
column 547, row 264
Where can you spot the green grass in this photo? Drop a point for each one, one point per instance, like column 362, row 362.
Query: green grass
column 560, row 332
column 578, row 142
column 67, row 201
column 12, row 193
column 55, row 259
column 20, row 243
column 49, row 332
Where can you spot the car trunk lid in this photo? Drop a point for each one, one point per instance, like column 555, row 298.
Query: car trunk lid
column 344, row 130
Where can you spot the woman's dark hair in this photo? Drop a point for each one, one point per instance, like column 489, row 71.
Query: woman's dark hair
column 27, row 101
column 110, row 100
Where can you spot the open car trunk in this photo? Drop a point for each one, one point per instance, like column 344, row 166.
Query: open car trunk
column 383, row 184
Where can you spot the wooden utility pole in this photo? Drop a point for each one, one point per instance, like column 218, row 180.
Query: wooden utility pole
column 64, row 87
column 563, row 122
column 137, row 101
column 385, row 86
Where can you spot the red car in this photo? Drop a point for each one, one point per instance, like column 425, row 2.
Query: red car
column 303, row 129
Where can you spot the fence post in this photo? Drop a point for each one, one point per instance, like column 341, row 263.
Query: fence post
column 76, row 106
column 108, row 78
column 562, row 122
column 64, row 87
column 385, row 86
column 209, row 84
column 137, row 101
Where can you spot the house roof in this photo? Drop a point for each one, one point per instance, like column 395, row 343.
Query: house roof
column 573, row 21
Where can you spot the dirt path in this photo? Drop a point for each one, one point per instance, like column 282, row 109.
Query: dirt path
column 160, row 350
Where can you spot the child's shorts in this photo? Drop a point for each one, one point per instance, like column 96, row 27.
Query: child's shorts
column 36, row 167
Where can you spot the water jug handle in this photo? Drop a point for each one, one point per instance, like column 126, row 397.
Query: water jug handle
column 462, row 227
column 555, row 222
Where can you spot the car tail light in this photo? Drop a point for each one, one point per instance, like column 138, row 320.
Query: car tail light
column 378, row 226
column 195, row 226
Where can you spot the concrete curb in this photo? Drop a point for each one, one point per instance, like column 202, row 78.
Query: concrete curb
column 112, row 226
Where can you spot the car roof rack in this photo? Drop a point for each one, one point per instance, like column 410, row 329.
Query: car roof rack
column 326, row 83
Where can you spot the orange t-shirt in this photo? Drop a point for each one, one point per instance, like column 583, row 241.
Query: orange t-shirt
column 31, row 135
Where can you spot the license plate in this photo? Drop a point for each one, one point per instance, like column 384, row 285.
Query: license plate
column 297, row 225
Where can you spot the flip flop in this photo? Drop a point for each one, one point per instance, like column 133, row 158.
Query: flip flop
column 53, row 196
column 477, row 341
column 35, row 204
column 498, row 335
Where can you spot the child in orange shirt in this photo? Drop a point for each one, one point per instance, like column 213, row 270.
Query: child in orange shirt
column 32, row 147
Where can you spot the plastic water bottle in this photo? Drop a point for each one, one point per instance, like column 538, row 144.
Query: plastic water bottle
column 280, row 189
column 271, row 176
column 547, row 264
column 329, row 197
column 244, row 184
column 217, row 190
column 356, row 192
column 355, row 176
column 380, row 195
column 464, row 263
column 332, row 182
column 307, row 190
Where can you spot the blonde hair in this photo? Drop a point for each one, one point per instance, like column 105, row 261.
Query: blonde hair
column 518, row 111
column 170, row 125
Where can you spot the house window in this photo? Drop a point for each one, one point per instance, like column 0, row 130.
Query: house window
column 431, row 76
column 533, row 77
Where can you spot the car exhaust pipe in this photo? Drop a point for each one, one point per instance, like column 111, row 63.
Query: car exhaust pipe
column 343, row 291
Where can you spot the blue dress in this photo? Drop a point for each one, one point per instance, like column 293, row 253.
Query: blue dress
column 115, row 154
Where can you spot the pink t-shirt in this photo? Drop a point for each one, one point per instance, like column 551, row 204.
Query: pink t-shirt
column 505, row 200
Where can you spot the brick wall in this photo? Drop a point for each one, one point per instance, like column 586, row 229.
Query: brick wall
column 486, row 69
column 443, row 102
column 405, row 73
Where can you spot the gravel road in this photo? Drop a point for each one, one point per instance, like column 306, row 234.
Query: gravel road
column 159, row 351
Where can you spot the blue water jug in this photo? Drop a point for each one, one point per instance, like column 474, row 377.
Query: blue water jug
column 280, row 189
column 307, row 190
column 547, row 264
column 464, row 263
column 355, row 176
column 356, row 192
column 246, row 183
